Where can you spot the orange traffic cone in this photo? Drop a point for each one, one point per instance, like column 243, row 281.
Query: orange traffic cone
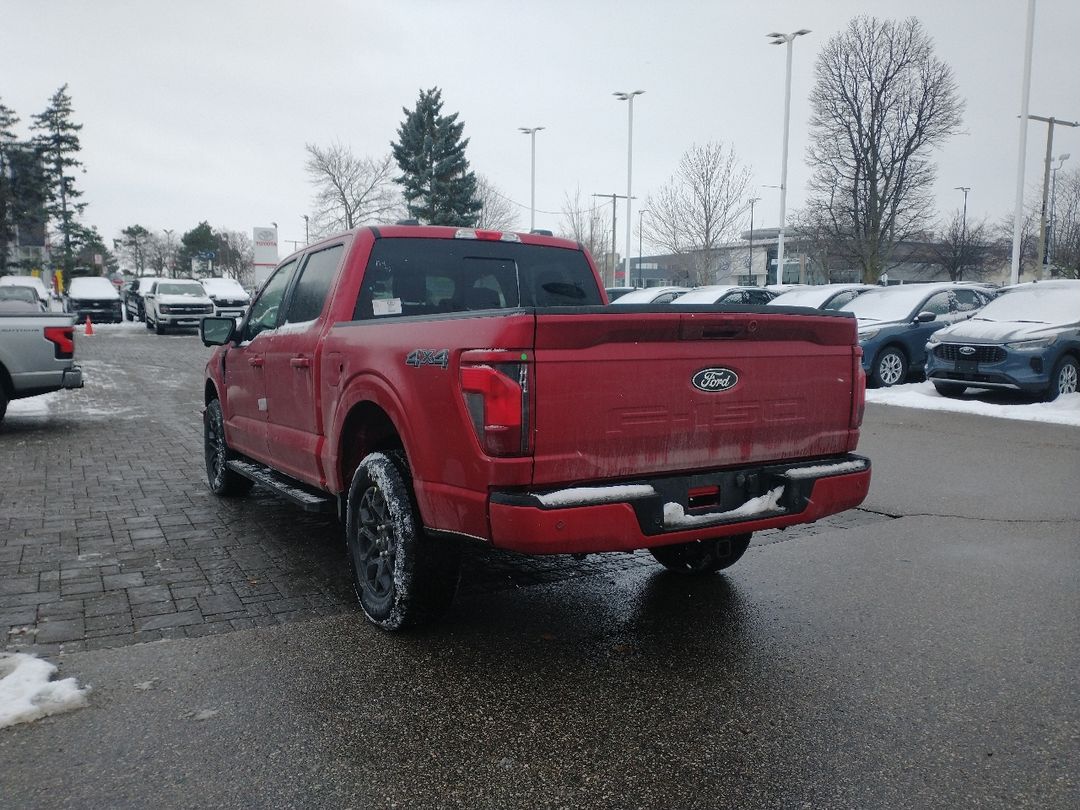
column 89, row 328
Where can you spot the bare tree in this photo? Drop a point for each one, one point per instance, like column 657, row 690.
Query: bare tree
column 349, row 190
column 497, row 212
column 962, row 249
column 235, row 255
column 699, row 208
column 583, row 221
column 881, row 102
column 1065, row 244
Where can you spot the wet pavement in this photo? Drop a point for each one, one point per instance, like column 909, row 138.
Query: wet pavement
column 920, row 652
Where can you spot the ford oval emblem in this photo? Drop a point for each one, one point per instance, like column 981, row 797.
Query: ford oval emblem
column 967, row 351
column 715, row 379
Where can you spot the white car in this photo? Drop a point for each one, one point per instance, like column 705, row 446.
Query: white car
column 729, row 294
column 176, row 302
column 650, row 295
column 33, row 282
column 230, row 299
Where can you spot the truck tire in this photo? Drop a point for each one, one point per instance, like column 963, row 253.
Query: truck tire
column 700, row 557
column 1064, row 378
column 159, row 328
column 220, row 479
column 890, row 368
column 146, row 321
column 3, row 402
column 402, row 577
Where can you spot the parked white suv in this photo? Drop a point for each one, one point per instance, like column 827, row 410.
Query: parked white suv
column 230, row 299
column 176, row 303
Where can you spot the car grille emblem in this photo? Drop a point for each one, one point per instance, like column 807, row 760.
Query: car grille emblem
column 715, row 379
column 967, row 351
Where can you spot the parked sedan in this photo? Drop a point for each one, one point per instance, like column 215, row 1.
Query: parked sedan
column 94, row 297
column 895, row 323
column 726, row 294
column 651, row 295
column 1028, row 338
column 824, row 296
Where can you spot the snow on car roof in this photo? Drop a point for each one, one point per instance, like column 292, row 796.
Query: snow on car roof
column 645, row 296
column 92, row 286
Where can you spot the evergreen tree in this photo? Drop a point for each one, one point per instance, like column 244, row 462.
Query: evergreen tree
column 22, row 187
column 195, row 244
column 436, row 182
column 58, row 145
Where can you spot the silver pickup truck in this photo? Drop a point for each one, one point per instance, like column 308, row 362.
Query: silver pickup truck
column 37, row 355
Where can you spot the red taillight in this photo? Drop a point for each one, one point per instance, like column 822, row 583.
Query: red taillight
column 63, row 340
column 497, row 398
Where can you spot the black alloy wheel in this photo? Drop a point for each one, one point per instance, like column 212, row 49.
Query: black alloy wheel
column 220, row 479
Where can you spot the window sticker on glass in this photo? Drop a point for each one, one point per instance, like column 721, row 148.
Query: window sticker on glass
column 386, row 306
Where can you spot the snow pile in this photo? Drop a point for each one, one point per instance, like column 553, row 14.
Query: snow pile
column 825, row 469
column 27, row 694
column 675, row 516
column 1065, row 410
column 580, row 496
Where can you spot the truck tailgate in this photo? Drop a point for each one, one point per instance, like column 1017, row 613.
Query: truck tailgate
column 616, row 394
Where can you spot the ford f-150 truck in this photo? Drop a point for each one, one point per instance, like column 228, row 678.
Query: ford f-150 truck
column 37, row 355
column 432, row 383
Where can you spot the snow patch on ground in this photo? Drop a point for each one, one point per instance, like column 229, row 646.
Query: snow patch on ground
column 675, row 516
column 1065, row 410
column 27, row 694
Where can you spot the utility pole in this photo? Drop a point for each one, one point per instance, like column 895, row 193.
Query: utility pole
column 307, row 231
column 614, row 197
column 1050, row 122
column 963, row 232
column 750, row 259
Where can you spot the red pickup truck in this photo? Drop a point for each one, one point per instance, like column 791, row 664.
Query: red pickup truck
column 432, row 384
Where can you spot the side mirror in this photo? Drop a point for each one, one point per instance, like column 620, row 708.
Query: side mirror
column 925, row 317
column 217, row 331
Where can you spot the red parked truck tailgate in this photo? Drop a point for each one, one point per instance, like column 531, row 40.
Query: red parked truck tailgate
column 615, row 396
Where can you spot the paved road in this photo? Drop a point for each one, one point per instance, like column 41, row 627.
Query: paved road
column 919, row 652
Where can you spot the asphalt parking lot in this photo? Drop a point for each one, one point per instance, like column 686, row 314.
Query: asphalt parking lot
column 918, row 652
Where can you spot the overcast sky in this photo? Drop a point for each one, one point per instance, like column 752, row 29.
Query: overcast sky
column 200, row 110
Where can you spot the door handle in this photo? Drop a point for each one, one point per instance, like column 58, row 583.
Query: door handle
column 256, row 361
column 300, row 362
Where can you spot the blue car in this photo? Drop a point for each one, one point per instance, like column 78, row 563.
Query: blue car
column 1027, row 339
column 896, row 322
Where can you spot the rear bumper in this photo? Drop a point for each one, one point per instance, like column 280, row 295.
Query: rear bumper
column 643, row 514
column 73, row 378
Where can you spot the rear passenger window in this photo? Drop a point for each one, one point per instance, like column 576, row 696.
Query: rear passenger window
column 432, row 276
column 309, row 294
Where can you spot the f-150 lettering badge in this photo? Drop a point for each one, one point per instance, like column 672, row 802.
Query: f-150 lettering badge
column 428, row 357
column 715, row 379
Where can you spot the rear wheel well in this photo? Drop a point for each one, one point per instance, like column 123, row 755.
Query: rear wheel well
column 209, row 393
column 367, row 429
column 5, row 381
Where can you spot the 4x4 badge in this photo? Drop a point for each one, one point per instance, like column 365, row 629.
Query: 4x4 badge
column 715, row 379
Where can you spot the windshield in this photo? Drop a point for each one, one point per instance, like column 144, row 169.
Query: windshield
column 704, row 295
column 178, row 288
column 1037, row 304
column 18, row 293
column 888, row 303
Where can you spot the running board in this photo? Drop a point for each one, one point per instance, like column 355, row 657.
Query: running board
column 307, row 498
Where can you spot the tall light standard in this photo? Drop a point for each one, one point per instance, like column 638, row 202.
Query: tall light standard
column 750, row 259
column 1050, row 122
column 1053, row 205
column 641, row 273
column 531, row 132
column 629, row 167
column 963, row 229
column 784, row 39
column 307, row 231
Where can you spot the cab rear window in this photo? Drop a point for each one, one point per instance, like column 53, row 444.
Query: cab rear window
column 432, row 276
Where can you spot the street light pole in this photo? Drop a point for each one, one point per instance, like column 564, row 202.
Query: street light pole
column 1050, row 122
column 1053, row 206
column 531, row 132
column 784, row 39
column 963, row 230
column 641, row 273
column 307, row 232
column 629, row 97
column 750, row 258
